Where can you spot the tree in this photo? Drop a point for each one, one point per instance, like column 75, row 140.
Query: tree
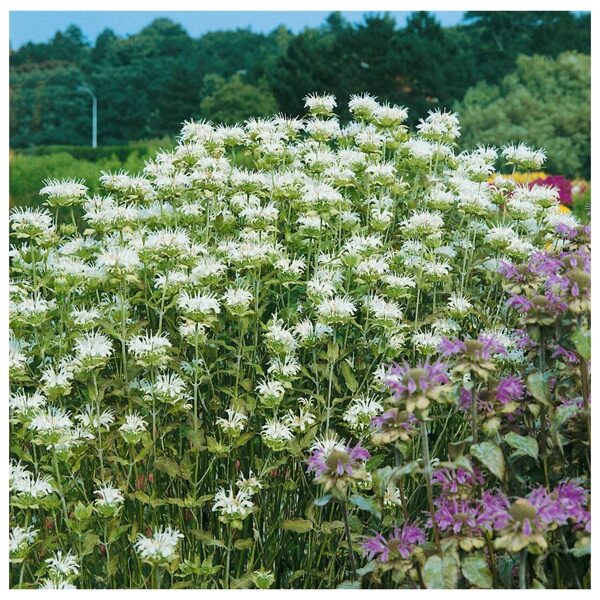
column 546, row 103
column 232, row 101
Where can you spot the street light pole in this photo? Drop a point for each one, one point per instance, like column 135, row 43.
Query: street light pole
column 87, row 90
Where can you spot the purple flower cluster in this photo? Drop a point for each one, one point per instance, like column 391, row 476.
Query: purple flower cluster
column 470, row 517
column 568, row 502
column 337, row 461
column 405, row 380
column 484, row 348
column 400, row 544
column 509, row 389
column 454, row 480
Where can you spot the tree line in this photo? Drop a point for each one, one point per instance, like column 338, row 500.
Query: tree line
column 149, row 82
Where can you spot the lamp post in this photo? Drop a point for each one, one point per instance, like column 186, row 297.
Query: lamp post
column 87, row 90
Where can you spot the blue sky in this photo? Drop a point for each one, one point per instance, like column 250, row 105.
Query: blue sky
column 40, row 26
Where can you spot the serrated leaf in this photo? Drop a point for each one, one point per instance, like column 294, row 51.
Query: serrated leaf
column 297, row 525
column 476, row 571
column 491, row 456
column 524, row 445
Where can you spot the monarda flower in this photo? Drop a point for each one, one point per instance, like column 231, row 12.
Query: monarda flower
column 461, row 519
column 159, row 548
column 456, row 482
column 524, row 529
column 337, row 466
column 397, row 551
column 393, row 425
column 473, row 356
column 540, row 309
column 413, row 388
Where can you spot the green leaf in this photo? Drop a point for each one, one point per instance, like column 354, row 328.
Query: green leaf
column 349, row 585
column 297, row 525
column 244, row 544
column 537, row 384
column 376, row 461
column 368, row 568
column 89, row 542
column 365, row 504
column 525, row 446
column 491, row 456
column 323, row 500
column 583, row 343
column 439, row 573
column 349, row 377
column 476, row 571
column 171, row 468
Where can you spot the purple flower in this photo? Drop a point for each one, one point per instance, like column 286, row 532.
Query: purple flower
column 568, row 355
column 483, row 348
column 494, row 513
column 400, row 544
column 509, row 389
column 336, row 463
column 454, row 480
column 416, row 386
column 567, row 502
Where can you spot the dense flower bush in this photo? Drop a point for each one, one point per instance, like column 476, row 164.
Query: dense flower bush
column 296, row 354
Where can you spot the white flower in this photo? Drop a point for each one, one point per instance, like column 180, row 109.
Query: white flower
column 85, row 316
column 270, row 392
column 21, row 402
column 28, row 222
column 361, row 410
column 234, row 424
column 382, row 310
column 160, row 547
column 20, row 538
column 149, row 348
column 285, row 367
column 237, row 299
column 235, row 507
column 426, row 342
column 524, row 157
column 328, row 443
column 390, row 116
column 439, row 126
column 133, row 427
column 63, row 190
column 309, row 332
column 276, row 434
column 63, row 565
column 90, row 418
column 458, row 305
column 92, row 350
column 249, row 485
column 279, row 339
column 119, row 259
column 169, row 387
column 320, row 104
column 302, row 420
column 108, row 496
column 52, row 419
column 363, row 105
column 338, row 309
column 56, row 584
